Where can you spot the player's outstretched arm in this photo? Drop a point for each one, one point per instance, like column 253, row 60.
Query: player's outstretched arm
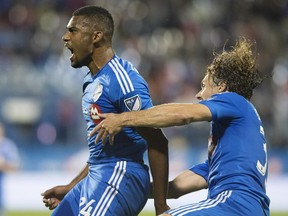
column 165, row 115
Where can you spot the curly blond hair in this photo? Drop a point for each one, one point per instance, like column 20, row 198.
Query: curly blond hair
column 237, row 68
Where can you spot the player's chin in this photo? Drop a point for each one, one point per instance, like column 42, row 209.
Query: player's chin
column 75, row 64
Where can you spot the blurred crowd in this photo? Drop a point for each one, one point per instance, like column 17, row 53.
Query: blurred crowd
column 170, row 41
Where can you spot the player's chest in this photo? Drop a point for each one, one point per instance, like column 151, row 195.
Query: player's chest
column 96, row 100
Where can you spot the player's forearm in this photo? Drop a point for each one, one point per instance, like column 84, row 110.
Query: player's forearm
column 159, row 164
column 158, row 160
column 166, row 115
column 79, row 177
column 186, row 182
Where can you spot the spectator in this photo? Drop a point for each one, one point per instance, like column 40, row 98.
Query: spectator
column 9, row 160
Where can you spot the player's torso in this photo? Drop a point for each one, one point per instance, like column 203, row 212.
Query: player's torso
column 238, row 152
column 113, row 90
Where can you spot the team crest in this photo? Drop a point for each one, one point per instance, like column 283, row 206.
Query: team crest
column 133, row 103
column 97, row 92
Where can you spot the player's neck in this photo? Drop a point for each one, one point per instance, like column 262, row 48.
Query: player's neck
column 100, row 58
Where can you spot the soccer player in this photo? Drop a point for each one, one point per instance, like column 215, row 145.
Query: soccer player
column 115, row 180
column 235, row 171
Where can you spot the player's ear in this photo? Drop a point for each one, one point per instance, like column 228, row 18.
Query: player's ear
column 222, row 86
column 97, row 36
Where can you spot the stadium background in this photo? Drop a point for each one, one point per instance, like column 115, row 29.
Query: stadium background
column 170, row 42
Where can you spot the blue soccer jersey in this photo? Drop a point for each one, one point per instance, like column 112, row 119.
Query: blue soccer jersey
column 117, row 88
column 237, row 146
column 118, row 181
column 237, row 159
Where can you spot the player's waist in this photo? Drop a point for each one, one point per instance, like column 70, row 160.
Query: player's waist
column 113, row 159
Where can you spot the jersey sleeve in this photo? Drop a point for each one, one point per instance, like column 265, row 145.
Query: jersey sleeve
column 222, row 107
column 201, row 169
column 134, row 97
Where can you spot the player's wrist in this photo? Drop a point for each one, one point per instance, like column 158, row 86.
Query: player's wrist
column 161, row 207
column 125, row 120
column 160, row 202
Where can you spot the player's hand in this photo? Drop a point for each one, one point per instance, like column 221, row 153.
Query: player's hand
column 51, row 203
column 108, row 127
column 53, row 196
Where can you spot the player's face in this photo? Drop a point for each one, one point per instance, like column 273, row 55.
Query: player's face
column 208, row 88
column 78, row 39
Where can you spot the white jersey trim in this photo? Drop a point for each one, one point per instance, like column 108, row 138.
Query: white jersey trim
column 205, row 204
column 112, row 190
column 122, row 76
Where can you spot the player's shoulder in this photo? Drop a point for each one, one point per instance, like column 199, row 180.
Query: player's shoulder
column 228, row 99
column 124, row 74
column 122, row 66
column 228, row 96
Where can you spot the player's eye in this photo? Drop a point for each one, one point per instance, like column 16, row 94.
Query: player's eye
column 71, row 30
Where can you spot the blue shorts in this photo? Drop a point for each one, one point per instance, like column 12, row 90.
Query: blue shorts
column 119, row 189
column 228, row 203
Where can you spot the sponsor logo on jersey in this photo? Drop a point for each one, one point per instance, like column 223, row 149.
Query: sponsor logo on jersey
column 133, row 103
column 94, row 111
column 97, row 92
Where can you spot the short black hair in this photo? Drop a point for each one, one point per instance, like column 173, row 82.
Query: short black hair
column 100, row 18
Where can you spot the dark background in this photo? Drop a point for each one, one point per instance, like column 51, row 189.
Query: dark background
column 170, row 42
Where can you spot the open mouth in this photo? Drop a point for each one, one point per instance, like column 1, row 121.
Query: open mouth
column 71, row 50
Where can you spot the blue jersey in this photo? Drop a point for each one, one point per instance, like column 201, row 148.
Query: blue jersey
column 237, row 149
column 118, row 181
column 116, row 88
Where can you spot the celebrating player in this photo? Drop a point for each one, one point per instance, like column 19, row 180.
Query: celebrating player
column 235, row 171
column 115, row 181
